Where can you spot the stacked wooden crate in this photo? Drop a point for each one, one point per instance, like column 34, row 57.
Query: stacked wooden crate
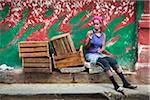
column 35, row 56
column 65, row 53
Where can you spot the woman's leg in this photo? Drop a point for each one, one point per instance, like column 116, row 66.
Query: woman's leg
column 105, row 65
column 113, row 63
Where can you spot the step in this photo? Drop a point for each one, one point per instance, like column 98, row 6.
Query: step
column 70, row 92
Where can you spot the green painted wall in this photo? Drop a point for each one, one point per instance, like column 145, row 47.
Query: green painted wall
column 29, row 20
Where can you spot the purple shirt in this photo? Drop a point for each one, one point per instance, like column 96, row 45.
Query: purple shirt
column 95, row 43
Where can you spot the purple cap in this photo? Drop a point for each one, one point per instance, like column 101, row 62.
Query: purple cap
column 97, row 18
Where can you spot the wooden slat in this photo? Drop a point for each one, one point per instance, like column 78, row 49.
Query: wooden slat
column 81, row 53
column 22, row 62
column 37, row 60
column 36, row 65
column 53, row 60
column 68, row 62
column 36, row 54
column 37, row 70
column 63, row 45
column 75, row 58
column 33, row 49
column 67, row 55
column 32, row 44
column 68, row 48
column 26, row 42
column 57, row 47
column 58, row 37
column 71, row 44
column 60, row 46
column 48, row 48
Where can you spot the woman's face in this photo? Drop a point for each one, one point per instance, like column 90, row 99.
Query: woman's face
column 97, row 24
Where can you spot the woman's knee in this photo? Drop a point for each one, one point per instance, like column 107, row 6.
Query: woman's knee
column 104, row 64
column 112, row 61
column 102, row 61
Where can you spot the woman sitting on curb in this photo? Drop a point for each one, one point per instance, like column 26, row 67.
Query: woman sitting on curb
column 95, row 42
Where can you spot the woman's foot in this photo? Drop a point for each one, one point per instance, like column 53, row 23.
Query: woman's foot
column 120, row 89
column 130, row 86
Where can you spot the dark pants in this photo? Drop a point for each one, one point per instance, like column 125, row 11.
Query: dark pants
column 107, row 62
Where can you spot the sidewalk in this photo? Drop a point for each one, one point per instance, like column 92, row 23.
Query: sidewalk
column 100, row 90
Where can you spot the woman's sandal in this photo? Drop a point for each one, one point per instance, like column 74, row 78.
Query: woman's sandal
column 120, row 89
column 130, row 86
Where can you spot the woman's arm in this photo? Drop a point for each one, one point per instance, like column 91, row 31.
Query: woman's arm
column 88, row 38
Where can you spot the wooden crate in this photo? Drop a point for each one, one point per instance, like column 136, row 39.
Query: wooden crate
column 35, row 56
column 65, row 54
column 37, row 64
column 34, row 49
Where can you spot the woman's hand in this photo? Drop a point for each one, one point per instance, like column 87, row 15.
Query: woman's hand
column 88, row 38
column 100, row 50
column 89, row 34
